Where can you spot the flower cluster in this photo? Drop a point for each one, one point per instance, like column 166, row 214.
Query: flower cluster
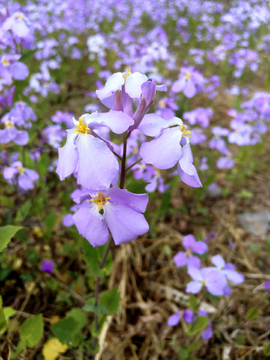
column 93, row 158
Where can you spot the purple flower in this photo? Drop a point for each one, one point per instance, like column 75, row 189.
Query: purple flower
column 22, row 112
column 18, row 24
column 225, row 162
column 88, row 154
column 47, row 266
column 116, row 210
column 227, row 270
column 186, row 170
column 267, row 286
column 199, row 116
column 191, row 246
column 189, row 316
column 26, row 178
column 11, row 133
column 187, row 82
column 10, row 68
column 174, row 319
column 167, row 108
column 211, row 279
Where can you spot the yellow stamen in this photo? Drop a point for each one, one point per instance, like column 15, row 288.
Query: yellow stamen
column 188, row 252
column 188, row 76
column 20, row 170
column 127, row 74
column 100, row 200
column 203, row 282
column 162, row 103
column 20, row 16
column 5, row 61
column 81, row 127
column 185, row 132
column 9, row 124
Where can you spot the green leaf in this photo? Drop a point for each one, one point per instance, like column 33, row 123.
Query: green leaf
column 43, row 165
column 5, row 314
column 252, row 314
column 193, row 302
column 65, row 330
column 1, row 301
column 199, row 325
column 107, row 267
column 91, row 258
column 183, row 353
column 266, row 349
column 49, row 222
column 27, row 54
column 79, row 316
column 23, row 211
column 6, row 233
column 19, row 348
column 110, row 299
column 90, row 306
column 193, row 346
column 245, row 194
column 31, row 330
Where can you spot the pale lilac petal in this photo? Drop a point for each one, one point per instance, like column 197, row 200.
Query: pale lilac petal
column 5, row 136
column 195, row 274
column 178, row 85
column 68, row 220
column 164, row 151
column 200, row 247
column 133, row 84
column 25, row 182
column 207, row 333
column 218, row 261
column 91, row 225
column 19, row 70
column 162, row 87
column 189, row 89
column 190, row 180
column 233, row 276
column 180, row 259
column 194, row 287
column 194, row 261
column 33, row 175
column 68, row 157
column 21, row 137
column 188, row 316
column 124, row 223
column 152, row 124
column 9, row 172
column 174, row 319
column 137, row 202
column 113, row 84
column 97, row 165
column 188, row 241
column 117, row 121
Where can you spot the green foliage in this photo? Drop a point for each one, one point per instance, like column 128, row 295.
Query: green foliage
column 31, row 332
column 199, row 325
column 65, row 330
column 6, row 234
column 92, row 258
column 49, row 222
column 266, row 349
column 245, row 194
column 79, row 316
column 252, row 314
column 193, row 302
column 23, row 211
column 110, row 299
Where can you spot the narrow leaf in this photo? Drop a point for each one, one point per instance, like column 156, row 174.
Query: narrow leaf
column 6, row 234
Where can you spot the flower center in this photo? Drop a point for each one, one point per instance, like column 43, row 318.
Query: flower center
column 203, row 282
column 185, row 132
column 162, row 104
column 81, row 127
column 20, row 169
column 5, row 61
column 127, row 74
column 20, row 16
column 188, row 76
column 9, row 124
column 100, row 200
column 188, row 252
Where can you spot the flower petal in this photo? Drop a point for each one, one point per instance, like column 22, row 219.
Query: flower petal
column 90, row 223
column 68, row 157
column 137, row 202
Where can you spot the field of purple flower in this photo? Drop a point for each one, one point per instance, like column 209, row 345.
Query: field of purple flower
column 134, row 180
